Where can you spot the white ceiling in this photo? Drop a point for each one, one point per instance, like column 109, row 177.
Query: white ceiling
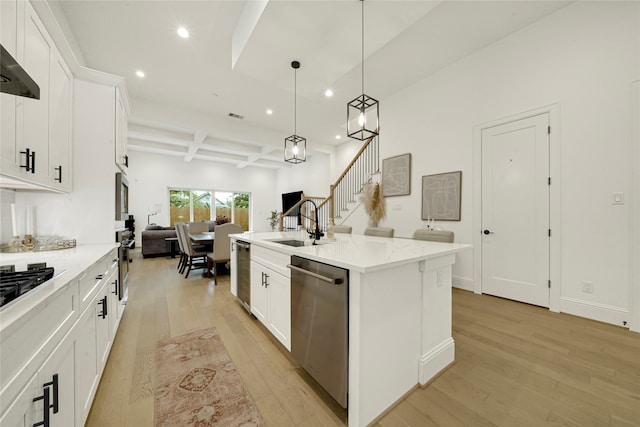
column 181, row 107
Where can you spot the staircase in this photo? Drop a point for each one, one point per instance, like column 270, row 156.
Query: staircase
column 359, row 172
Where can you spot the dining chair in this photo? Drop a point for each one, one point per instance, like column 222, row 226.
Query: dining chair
column 434, row 235
column 183, row 253
column 346, row 229
column 194, row 259
column 198, row 227
column 221, row 251
column 379, row 231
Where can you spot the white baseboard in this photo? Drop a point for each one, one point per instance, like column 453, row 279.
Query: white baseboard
column 462, row 283
column 436, row 360
column 600, row 312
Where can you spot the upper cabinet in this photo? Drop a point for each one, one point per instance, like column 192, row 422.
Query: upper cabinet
column 122, row 158
column 36, row 133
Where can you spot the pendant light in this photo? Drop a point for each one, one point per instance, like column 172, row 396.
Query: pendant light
column 295, row 146
column 362, row 112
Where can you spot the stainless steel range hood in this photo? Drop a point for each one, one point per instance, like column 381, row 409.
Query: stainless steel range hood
column 14, row 79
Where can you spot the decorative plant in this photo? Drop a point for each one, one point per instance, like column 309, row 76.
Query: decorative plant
column 273, row 219
column 374, row 203
column 221, row 219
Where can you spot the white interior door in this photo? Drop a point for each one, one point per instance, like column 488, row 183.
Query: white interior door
column 515, row 210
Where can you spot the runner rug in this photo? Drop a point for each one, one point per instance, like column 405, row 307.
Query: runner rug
column 198, row 385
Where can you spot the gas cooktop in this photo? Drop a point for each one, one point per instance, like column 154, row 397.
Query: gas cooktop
column 13, row 284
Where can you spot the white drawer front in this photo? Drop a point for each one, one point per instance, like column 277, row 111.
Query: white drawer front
column 92, row 280
column 274, row 260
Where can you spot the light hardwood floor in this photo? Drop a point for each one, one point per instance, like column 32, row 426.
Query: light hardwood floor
column 516, row 365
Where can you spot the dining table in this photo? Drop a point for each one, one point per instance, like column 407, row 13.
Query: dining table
column 203, row 238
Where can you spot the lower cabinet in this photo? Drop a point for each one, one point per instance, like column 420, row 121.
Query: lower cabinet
column 48, row 399
column 271, row 301
column 96, row 331
column 66, row 352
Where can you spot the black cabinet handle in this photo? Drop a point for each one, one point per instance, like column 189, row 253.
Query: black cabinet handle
column 266, row 280
column 115, row 288
column 103, row 313
column 45, row 408
column 54, row 384
column 59, row 178
column 100, row 277
column 27, row 154
column 33, row 162
column 488, row 232
column 126, row 160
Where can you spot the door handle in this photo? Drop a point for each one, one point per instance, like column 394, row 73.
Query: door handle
column 488, row 232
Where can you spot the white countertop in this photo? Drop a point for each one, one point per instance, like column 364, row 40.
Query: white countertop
column 67, row 265
column 353, row 251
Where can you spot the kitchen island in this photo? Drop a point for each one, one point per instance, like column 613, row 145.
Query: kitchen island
column 399, row 320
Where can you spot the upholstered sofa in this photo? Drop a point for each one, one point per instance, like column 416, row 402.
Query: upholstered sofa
column 153, row 242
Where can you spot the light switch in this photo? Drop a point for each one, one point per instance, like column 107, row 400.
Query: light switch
column 618, row 199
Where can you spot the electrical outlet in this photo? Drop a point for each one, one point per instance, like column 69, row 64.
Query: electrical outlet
column 587, row 287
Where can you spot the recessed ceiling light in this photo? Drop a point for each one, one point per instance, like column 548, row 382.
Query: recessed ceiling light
column 182, row 32
column 140, row 74
column 269, row 111
column 338, row 137
column 328, row 93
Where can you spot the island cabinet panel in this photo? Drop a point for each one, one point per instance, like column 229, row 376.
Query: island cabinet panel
column 271, row 292
column 384, row 338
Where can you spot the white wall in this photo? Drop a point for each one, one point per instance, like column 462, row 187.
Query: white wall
column 313, row 177
column 583, row 58
column 152, row 175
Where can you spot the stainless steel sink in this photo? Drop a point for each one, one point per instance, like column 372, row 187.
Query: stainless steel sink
column 297, row 243
column 290, row 242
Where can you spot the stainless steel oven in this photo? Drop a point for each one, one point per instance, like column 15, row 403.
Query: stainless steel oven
column 123, row 237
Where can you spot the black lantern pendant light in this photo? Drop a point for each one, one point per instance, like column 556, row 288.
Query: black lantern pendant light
column 362, row 112
column 295, row 146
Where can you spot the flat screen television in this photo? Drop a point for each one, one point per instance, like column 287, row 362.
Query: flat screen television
column 289, row 200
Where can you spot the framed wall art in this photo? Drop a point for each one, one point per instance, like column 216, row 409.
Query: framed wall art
column 441, row 196
column 396, row 175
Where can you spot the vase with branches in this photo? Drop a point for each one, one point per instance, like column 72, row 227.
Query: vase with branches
column 375, row 205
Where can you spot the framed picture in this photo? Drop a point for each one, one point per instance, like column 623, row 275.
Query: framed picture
column 396, row 175
column 441, row 196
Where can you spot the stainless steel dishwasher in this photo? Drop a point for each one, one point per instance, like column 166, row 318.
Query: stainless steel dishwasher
column 320, row 323
column 244, row 273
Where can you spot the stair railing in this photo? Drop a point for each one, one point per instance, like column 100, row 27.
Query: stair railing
column 358, row 172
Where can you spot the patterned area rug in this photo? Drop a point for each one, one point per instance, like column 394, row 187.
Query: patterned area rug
column 198, row 385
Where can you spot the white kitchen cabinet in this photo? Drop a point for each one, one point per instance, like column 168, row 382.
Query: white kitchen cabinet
column 271, row 292
column 21, row 412
column 32, row 130
column 60, row 114
column 54, row 383
column 122, row 158
column 8, row 34
column 36, row 133
column 96, row 330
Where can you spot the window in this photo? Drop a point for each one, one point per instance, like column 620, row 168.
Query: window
column 196, row 205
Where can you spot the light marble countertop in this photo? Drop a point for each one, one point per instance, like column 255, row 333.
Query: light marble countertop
column 67, row 264
column 353, row 251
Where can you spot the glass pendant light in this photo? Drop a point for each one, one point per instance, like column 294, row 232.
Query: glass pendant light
column 362, row 112
column 295, row 146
